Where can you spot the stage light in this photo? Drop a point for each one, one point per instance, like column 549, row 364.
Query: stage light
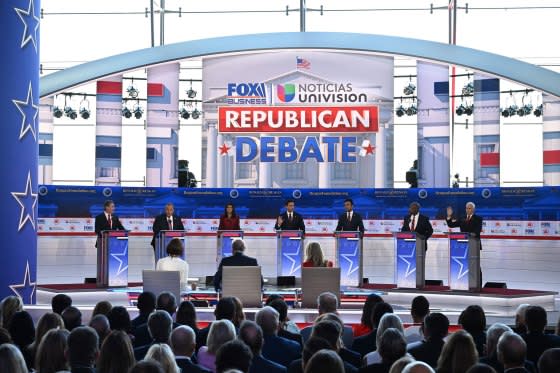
column 137, row 110
column 184, row 113
column 195, row 114
column 57, row 112
column 70, row 112
column 469, row 109
column 132, row 91
column 468, row 89
column 191, row 93
column 400, row 111
column 411, row 110
column 126, row 112
column 460, row 110
column 526, row 109
column 538, row 110
column 84, row 113
column 509, row 111
column 409, row 89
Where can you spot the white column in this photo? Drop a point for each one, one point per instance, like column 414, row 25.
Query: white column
column 324, row 169
column 212, row 154
column 380, row 149
column 265, row 175
column 220, row 164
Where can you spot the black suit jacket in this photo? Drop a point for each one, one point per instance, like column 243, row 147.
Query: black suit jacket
column 102, row 224
column 499, row 368
column 537, row 343
column 472, row 226
column 160, row 224
column 356, row 224
column 422, row 226
column 236, row 260
column 296, row 224
column 365, row 344
column 426, row 351
column 187, row 366
column 261, row 365
column 376, row 368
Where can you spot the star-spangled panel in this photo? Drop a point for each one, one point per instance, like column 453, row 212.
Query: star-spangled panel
column 294, row 258
column 122, row 268
column 26, row 289
column 409, row 263
column 29, row 113
column 351, row 258
column 27, row 201
column 30, row 25
column 462, row 262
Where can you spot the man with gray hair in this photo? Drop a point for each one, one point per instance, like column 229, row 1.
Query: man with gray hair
column 417, row 367
column 512, row 351
column 237, row 259
column 493, row 334
column 277, row 349
column 160, row 325
column 252, row 335
column 183, row 344
column 167, row 221
column 520, row 326
column 100, row 324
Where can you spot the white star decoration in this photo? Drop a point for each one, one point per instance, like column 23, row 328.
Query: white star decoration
column 408, row 264
column 25, row 286
column 27, row 124
column 459, row 260
column 30, row 25
column 117, row 257
column 26, row 216
column 351, row 268
column 295, row 262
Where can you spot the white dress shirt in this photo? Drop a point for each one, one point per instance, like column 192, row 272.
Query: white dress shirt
column 174, row 263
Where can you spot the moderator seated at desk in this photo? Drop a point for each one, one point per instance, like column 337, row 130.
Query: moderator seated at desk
column 237, row 259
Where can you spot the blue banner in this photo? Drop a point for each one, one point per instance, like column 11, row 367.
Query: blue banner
column 349, row 258
column 290, row 253
column 405, row 254
column 117, row 256
column 458, row 262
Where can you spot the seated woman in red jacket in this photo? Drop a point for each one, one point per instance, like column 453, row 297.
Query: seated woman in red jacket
column 229, row 221
column 314, row 256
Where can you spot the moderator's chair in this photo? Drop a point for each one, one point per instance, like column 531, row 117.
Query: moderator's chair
column 243, row 283
column 317, row 280
column 160, row 281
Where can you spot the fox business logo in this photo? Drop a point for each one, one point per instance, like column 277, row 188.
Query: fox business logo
column 246, row 94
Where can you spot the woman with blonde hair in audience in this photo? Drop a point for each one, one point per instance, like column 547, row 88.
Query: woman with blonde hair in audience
column 116, row 353
column 11, row 359
column 458, row 353
column 314, row 256
column 221, row 331
column 8, row 307
column 48, row 321
column 50, row 357
column 162, row 354
column 389, row 320
column 102, row 308
column 239, row 313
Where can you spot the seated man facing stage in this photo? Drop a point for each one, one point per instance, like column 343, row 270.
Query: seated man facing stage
column 290, row 220
column 166, row 222
column 314, row 256
column 229, row 221
column 416, row 222
column 174, row 261
column 237, row 259
column 350, row 220
column 107, row 221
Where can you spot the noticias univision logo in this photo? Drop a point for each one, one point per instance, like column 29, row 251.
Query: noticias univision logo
column 286, row 92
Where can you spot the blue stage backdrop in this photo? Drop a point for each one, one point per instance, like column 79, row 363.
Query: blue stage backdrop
column 19, row 104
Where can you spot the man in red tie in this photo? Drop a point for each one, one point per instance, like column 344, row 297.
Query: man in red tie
column 470, row 223
column 107, row 220
column 416, row 222
column 168, row 221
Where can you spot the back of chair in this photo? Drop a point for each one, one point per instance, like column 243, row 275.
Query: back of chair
column 243, row 283
column 160, row 281
column 317, row 280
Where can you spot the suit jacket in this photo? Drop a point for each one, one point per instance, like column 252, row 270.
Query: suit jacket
column 296, row 224
column 236, row 260
column 187, row 366
column 376, row 368
column 356, row 224
column 280, row 350
column 426, row 351
column 291, row 336
column 347, row 334
column 537, row 343
column 261, row 365
column 140, row 352
column 365, row 344
column 142, row 335
column 472, row 226
column 160, row 224
column 351, row 357
column 422, row 225
column 296, row 367
column 102, row 224
column 499, row 368
column 138, row 321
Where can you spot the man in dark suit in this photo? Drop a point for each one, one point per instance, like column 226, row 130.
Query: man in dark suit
column 470, row 223
column 535, row 338
column 107, row 221
column 251, row 334
column 183, row 344
column 416, row 222
column 165, row 302
column 290, row 220
column 160, row 325
column 436, row 326
column 82, row 350
column 350, row 220
column 237, row 259
column 511, row 353
column 166, row 222
column 277, row 349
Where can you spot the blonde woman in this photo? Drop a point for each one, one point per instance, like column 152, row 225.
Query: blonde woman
column 314, row 256
column 11, row 359
column 8, row 307
column 221, row 331
column 389, row 320
column 162, row 354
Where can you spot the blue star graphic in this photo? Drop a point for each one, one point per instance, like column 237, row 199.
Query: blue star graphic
column 29, row 113
column 348, row 257
column 26, row 289
column 409, row 264
column 118, row 258
column 30, row 25
column 29, row 199
column 295, row 263
column 460, row 260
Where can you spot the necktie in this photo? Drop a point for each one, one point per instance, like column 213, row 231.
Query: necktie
column 290, row 216
column 349, row 216
column 170, row 224
column 412, row 226
column 469, row 219
column 110, row 221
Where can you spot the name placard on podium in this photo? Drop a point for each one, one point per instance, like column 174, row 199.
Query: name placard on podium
column 464, row 262
column 162, row 240
column 349, row 257
column 225, row 239
column 290, row 252
column 112, row 259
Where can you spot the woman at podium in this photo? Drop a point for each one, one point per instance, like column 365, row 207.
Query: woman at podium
column 174, row 261
column 229, row 221
column 314, row 256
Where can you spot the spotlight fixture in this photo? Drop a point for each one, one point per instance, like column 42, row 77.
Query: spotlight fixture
column 195, row 114
column 412, row 110
column 191, row 93
column 132, row 91
column 70, row 112
column 57, row 112
column 409, row 89
column 538, row 110
column 509, row 111
column 84, row 112
column 526, row 109
column 460, row 110
column 468, row 89
column 400, row 111
column 126, row 112
column 138, row 111
column 184, row 113
column 469, row 109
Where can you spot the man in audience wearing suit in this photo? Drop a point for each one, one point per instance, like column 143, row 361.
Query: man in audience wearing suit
column 237, row 259
column 166, row 222
column 436, row 326
column 416, row 222
column 512, row 351
column 350, row 220
column 280, row 350
column 82, row 350
column 165, row 302
column 160, row 325
column 367, row 342
column 183, row 344
column 107, row 221
column 225, row 310
column 535, row 338
column 290, row 220
column 251, row 334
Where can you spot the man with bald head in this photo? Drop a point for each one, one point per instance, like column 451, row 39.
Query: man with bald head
column 100, row 324
column 511, row 353
column 183, row 344
column 550, row 361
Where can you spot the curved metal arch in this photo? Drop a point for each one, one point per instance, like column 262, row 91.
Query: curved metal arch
column 508, row 68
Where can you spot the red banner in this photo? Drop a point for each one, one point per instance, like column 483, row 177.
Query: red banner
column 298, row 119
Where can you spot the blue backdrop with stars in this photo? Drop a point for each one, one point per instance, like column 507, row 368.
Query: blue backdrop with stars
column 19, row 104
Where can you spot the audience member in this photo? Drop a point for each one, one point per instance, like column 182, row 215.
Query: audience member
column 50, row 357
column 512, row 351
column 366, row 343
column 481, row 368
column 325, row 361
column 473, row 321
column 116, row 353
column 277, row 349
column 458, row 354
column 102, row 308
column 314, row 256
column 345, row 354
column 11, row 359
column 330, row 331
column 183, row 344
column 239, row 313
column 251, row 334
column 550, row 361
column 389, row 320
column 162, row 353
column 287, row 324
column 186, row 315
column 221, row 331
column 392, row 346
column 100, row 323
column 22, row 330
column 520, row 326
column 60, row 302
column 5, row 336
column 159, row 329
column 365, row 326
column 147, row 366
column 119, row 319
column 417, row 367
column 72, row 318
column 419, row 309
column 225, row 310
column 48, row 321
column 436, row 326
column 146, row 304
column 399, row 365
column 233, row 355
column 165, row 302
column 83, row 349
column 282, row 307
column 535, row 338
column 8, row 307
column 311, row 347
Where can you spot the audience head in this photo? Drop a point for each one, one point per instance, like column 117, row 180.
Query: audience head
column 550, row 361
column 22, row 329
column 147, row 366
column 119, row 319
column 268, row 319
column 160, row 325
column 186, row 314
column 251, row 334
column 50, row 356
column 100, row 323
column 333, row 317
column 399, row 365
column 175, row 248
column 183, row 341
column 512, row 350
column 325, row 361
column 221, row 331
column 436, row 326
column 416, row 367
column 327, row 302
column 314, row 254
column 420, row 308
column 520, row 318
column 481, row 368
column 281, row 306
column 389, row 320
column 166, row 301
column 116, row 353
column 473, row 320
column 379, row 310
column 5, row 336
column 162, row 353
column 239, row 314
column 48, row 321
column 8, row 307
column 60, row 302
column 312, row 346
column 493, row 334
column 367, row 310
column 535, row 319
column 392, row 345
column 225, row 309
column 458, row 353
column 271, row 298
column 11, row 359
column 83, row 347
column 72, row 318
column 233, row 355
column 238, row 246
column 102, row 308
column 330, row 331
column 146, row 303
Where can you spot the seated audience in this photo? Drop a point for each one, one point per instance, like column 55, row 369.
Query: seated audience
column 416, row 367
column 288, row 324
column 239, row 313
column 102, row 308
column 183, row 344
column 520, row 327
column 11, row 359
column 22, row 330
column 535, row 338
column 282, row 307
column 221, row 331
column 389, row 320
column 72, row 318
column 473, row 321
column 481, row 368
column 60, row 302
column 392, row 346
column 147, row 366
column 225, row 310
column 50, row 357
column 119, row 319
column 493, row 334
column 277, row 349
column 251, row 334
column 331, row 331
column 174, row 261
column 162, row 353
column 367, row 343
column 311, row 347
column 146, row 304
column 165, row 302
column 186, row 315
column 100, row 323
column 436, row 326
column 512, row 351
column 314, row 256
column 48, row 321
column 8, row 307
column 325, row 361
column 400, row 364
column 116, row 353
column 83, row 350
column 550, row 361
column 237, row 259
column 233, row 356
column 458, row 353
column 346, row 354
column 365, row 326
column 419, row 309
column 159, row 329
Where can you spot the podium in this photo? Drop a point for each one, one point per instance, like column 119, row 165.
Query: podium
column 410, row 260
column 349, row 257
column 162, row 240
column 225, row 239
column 112, row 259
column 289, row 248
column 464, row 262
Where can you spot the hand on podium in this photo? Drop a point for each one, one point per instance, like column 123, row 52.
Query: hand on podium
column 279, row 221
